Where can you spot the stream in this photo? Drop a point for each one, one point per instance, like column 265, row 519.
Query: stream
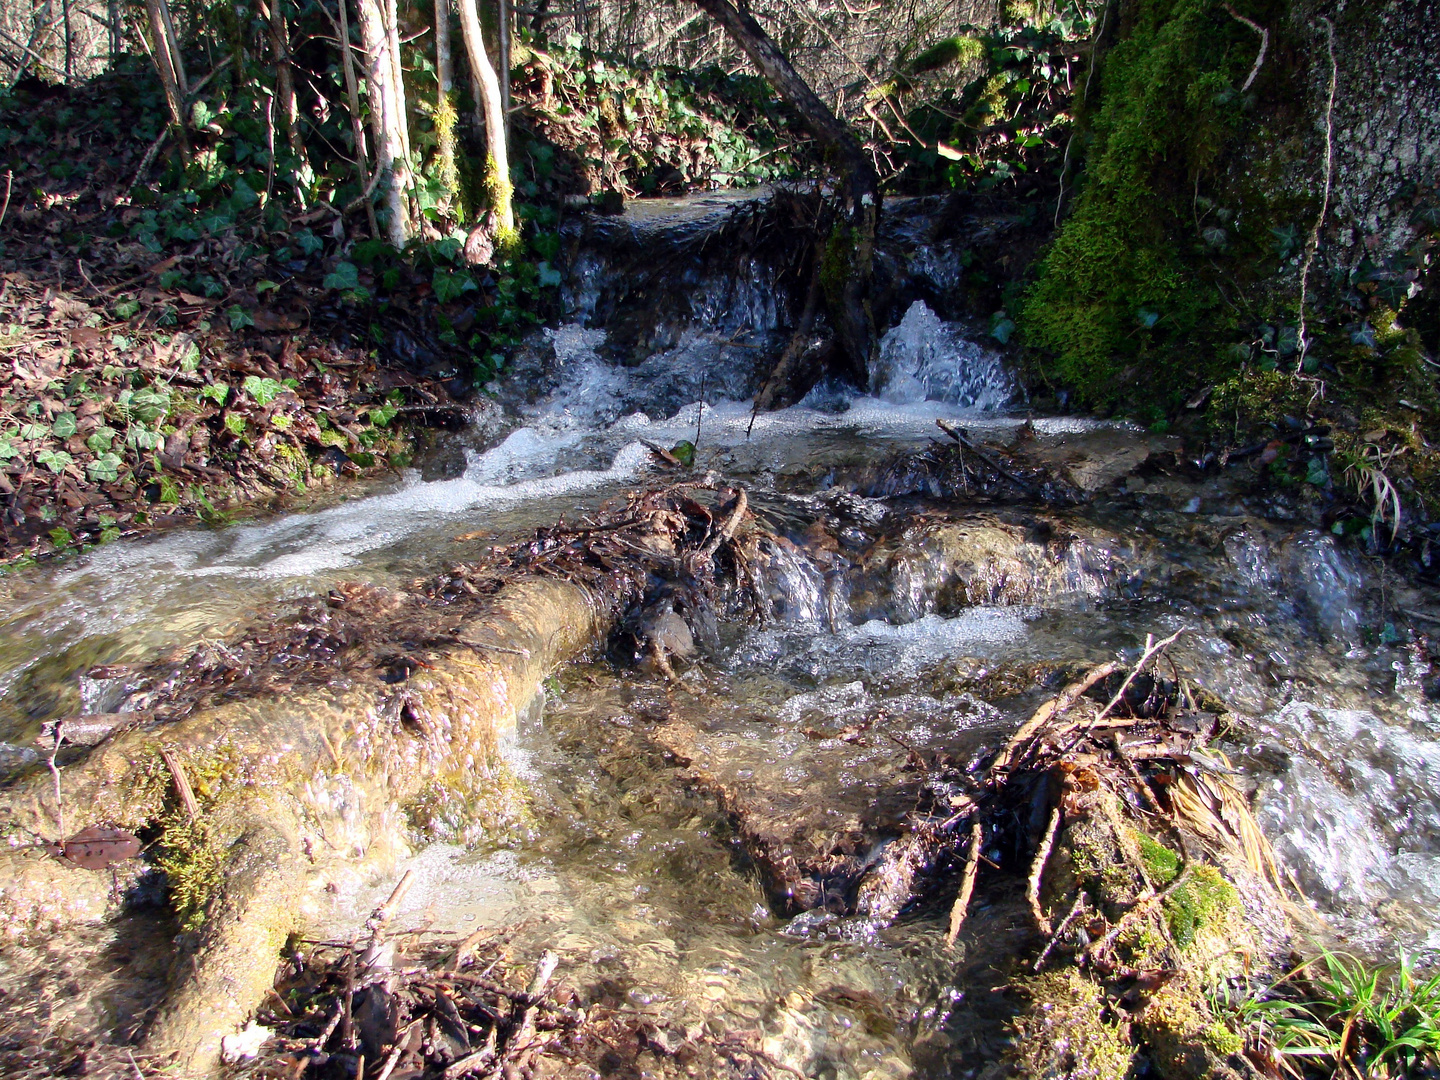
column 612, row 853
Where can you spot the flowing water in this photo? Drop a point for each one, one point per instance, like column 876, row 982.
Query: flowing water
column 618, row 857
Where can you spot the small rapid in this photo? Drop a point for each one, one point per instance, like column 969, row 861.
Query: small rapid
column 931, row 624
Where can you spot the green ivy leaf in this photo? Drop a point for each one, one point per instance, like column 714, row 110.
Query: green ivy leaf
column 101, row 439
column 34, row 431
column 54, row 460
column 235, row 424
column 8, row 450
column 308, row 242
column 239, row 317
column 190, row 358
column 105, row 469
column 216, row 392
column 63, row 425
column 381, row 415
column 263, row 390
column 125, row 309
column 142, row 438
column 266, row 285
column 345, row 276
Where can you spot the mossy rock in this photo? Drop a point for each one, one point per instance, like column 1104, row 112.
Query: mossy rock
column 1066, row 1033
column 1182, row 1038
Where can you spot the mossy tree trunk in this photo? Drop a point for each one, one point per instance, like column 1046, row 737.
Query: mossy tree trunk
column 498, row 164
column 850, row 256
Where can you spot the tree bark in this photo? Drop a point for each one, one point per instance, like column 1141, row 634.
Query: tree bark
column 285, row 80
column 498, row 167
column 444, row 70
column 445, row 108
column 850, row 258
column 164, row 64
column 397, row 71
column 387, row 118
column 357, row 126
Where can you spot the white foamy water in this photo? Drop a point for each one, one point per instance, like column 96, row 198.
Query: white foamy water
column 927, row 359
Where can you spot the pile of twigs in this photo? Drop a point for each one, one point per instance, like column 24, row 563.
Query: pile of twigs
column 1133, row 733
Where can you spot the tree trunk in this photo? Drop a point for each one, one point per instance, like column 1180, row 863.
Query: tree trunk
column 498, row 167
column 850, row 255
column 444, row 71
column 357, row 126
column 387, row 118
column 164, row 64
column 285, row 80
column 397, row 71
column 445, row 116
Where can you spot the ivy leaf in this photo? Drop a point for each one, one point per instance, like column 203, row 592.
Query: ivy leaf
column 105, row 469
column 125, row 309
column 216, row 392
column 549, row 276
column 308, row 242
column 263, row 390
column 142, row 438
column 345, row 276
column 381, row 415
column 7, row 450
column 101, row 439
column 235, row 424
column 239, row 317
column 54, row 460
column 34, row 431
column 450, row 284
column 63, row 425
column 190, row 358
column 266, row 285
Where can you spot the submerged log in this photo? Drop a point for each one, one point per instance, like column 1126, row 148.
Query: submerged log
column 271, row 762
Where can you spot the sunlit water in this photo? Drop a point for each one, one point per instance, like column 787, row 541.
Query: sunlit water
column 625, row 866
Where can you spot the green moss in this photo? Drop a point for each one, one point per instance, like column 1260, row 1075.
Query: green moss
column 836, row 263
column 1122, row 299
column 1203, row 902
column 1066, row 1031
column 1254, row 399
column 191, row 861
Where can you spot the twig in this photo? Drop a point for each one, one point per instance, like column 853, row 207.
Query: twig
column 330, row 1025
column 149, row 158
column 1264, row 44
column 1313, row 242
column 1056, row 706
column 397, row 1050
column 967, row 884
column 471, row 1062
column 347, row 1032
column 1075, row 909
column 728, row 526
column 961, row 438
column 182, row 783
column 55, row 772
column 526, row 1031
column 1037, row 872
column 1151, row 648
column 9, row 179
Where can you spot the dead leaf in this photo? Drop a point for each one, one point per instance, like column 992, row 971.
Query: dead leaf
column 99, row 846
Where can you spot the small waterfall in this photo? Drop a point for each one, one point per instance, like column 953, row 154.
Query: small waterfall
column 925, row 358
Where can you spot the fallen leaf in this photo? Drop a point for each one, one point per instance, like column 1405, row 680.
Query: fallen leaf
column 99, row 846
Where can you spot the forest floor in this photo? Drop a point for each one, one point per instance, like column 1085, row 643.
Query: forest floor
column 147, row 380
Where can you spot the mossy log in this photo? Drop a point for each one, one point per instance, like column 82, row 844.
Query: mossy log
column 271, row 765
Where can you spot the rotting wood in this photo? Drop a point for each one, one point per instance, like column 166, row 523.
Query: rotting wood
column 961, row 906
